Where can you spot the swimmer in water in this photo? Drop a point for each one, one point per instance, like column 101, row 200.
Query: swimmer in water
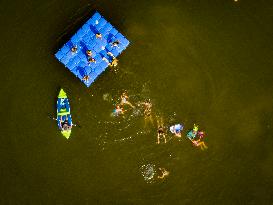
column 195, row 128
column 199, row 143
column 176, row 129
column 114, row 61
column 115, row 43
column 163, row 173
column 124, row 99
column 118, row 110
column 201, row 134
column 147, row 107
column 160, row 132
column 191, row 135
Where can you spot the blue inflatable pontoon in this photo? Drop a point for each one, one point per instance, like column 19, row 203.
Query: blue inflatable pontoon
column 92, row 49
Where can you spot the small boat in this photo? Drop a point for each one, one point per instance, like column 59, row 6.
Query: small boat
column 64, row 118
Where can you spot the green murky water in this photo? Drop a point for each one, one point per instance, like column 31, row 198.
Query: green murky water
column 207, row 62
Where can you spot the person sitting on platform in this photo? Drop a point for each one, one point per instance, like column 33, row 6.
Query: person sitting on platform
column 65, row 125
column 91, row 60
column 118, row 111
column 74, row 49
column 86, row 78
column 89, row 53
column 115, row 43
column 114, row 62
column 98, row 35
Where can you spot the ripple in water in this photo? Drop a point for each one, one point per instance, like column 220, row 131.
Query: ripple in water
column 148, row 172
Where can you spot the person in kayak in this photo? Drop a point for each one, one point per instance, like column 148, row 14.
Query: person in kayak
column 176, row 129
column 163, row 173
column 86, row 78
column 124, row 99
column 65, row 125
column 147, row 107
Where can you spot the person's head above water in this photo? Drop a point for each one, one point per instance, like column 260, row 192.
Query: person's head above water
column 195, row 128
column 201, row 134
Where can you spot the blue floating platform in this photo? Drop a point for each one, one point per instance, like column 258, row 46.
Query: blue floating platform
column 84, row 40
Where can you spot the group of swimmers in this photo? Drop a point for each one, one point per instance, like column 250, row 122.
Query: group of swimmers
column 195, row 135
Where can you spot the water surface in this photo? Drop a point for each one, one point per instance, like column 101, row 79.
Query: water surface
column 202, row 62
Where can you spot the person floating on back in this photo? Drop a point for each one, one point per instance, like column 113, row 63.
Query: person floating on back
column 115, row 43
column 64, row 125
column 89, row 52
column 163, row 173
column 200, row 143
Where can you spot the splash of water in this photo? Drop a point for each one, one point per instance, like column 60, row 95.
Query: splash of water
column 148, row 172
